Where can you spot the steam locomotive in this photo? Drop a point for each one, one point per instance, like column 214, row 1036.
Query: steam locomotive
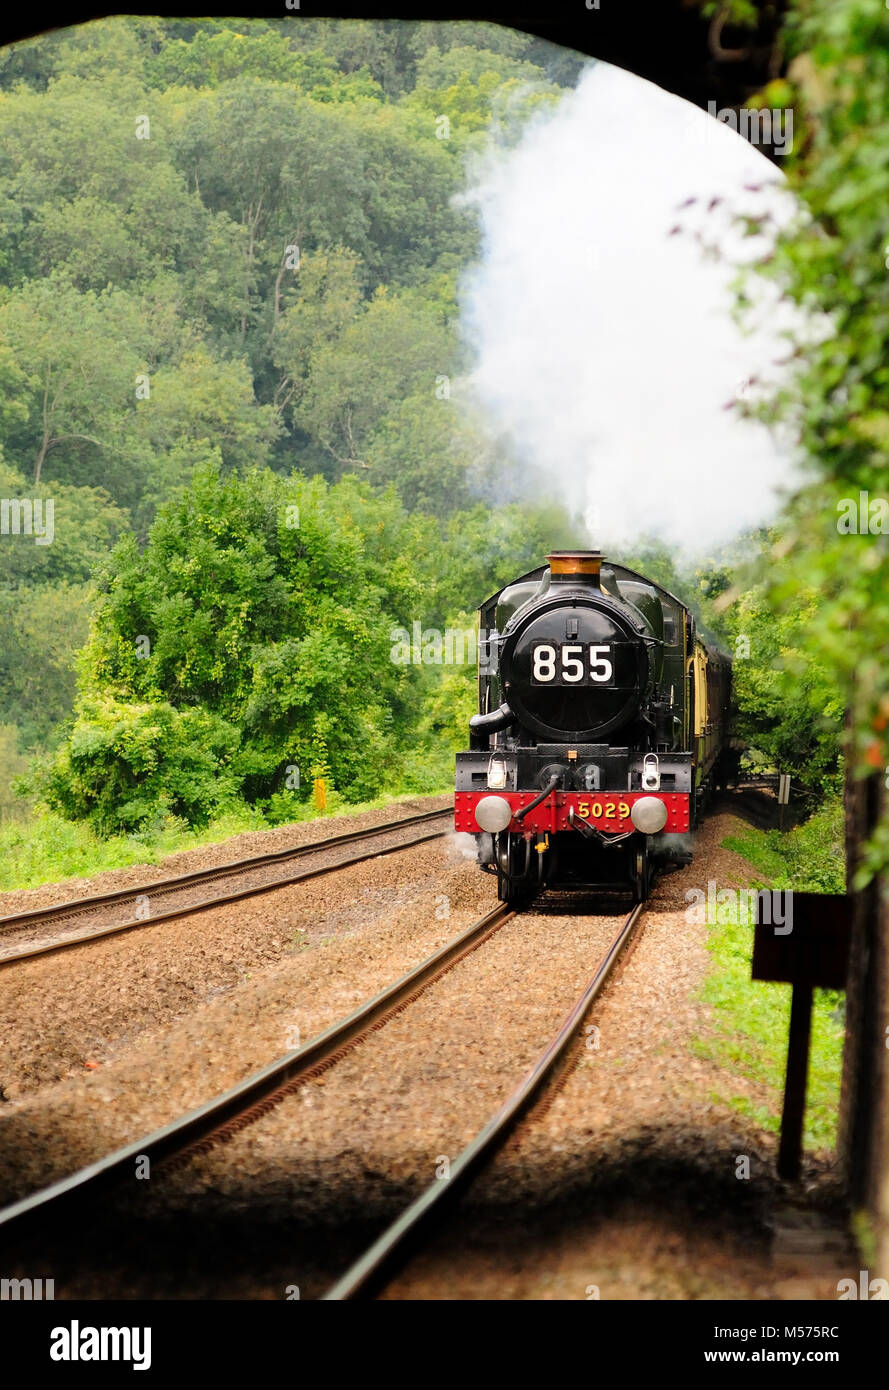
column 602, row 727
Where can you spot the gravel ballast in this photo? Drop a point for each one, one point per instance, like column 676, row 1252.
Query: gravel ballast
column 141, row 1028
column 623, row 1181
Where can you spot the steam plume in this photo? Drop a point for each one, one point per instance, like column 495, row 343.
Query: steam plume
column 605, row 345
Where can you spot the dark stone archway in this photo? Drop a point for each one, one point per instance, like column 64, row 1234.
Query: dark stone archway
column 670, row 43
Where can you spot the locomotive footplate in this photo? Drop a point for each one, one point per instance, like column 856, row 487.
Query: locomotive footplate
column 603, row 810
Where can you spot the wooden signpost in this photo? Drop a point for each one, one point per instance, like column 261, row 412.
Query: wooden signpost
column 813, row 953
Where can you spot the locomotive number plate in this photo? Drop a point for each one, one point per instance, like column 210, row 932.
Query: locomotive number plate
column 577, row 663
column 604, row 808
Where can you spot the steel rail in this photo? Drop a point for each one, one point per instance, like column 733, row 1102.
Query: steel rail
column 221, row 899
column 390, row 1250
column 75, row 906
column 253, row 1097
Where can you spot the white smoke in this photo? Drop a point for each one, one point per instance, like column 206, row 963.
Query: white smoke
column 606, row 349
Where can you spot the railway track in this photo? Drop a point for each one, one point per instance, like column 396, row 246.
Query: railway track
column 217, row 1120
column 24, row 935
column 221, row 1118
column 370, row 1273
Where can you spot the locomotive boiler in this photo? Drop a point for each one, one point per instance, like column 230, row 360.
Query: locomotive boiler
column 601, row 726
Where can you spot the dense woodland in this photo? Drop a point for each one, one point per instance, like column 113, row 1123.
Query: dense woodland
column 229, row 351
column 230, row 354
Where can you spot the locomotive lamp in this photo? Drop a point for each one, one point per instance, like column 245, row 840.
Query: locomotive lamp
column 496, row 773
column 649, row 814
column 651, row 773
column 494, row 813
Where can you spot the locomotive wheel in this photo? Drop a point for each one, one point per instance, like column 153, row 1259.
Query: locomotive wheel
column 513, row 885
column 641, row 872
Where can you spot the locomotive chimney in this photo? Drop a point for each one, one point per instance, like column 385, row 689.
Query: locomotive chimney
column 576, row 567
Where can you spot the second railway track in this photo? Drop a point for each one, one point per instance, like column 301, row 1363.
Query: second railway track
column 81, row 920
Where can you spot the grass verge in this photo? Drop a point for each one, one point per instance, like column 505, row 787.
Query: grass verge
column 751, row 1018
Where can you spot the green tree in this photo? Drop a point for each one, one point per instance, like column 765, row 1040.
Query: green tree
column 832, row 264
column 264, row 641
column 470, row 85
column 393, row 347
column 85, row 525
column 79, row 355
column 325, row 298
column 45, row 601
column 287, row 170
column 209, row 59
column 42, row 628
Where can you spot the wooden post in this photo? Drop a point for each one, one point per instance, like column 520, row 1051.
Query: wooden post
column 805, row 945
column 790, row 1152
column 783, row 797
